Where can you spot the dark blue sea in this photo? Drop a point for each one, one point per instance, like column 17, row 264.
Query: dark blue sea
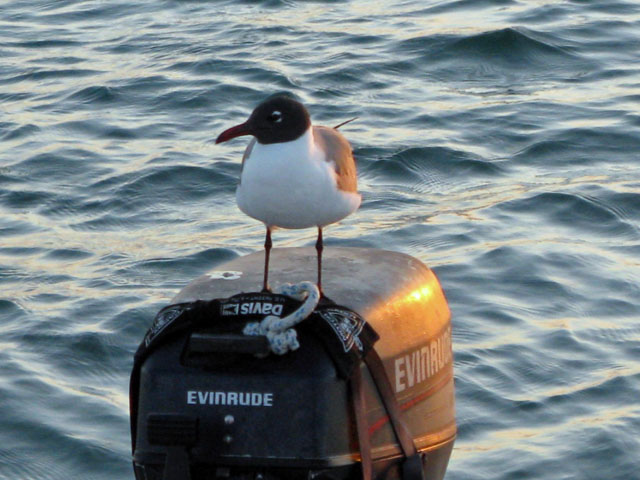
column 498, row 141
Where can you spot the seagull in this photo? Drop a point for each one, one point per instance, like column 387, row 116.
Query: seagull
column 294, row 174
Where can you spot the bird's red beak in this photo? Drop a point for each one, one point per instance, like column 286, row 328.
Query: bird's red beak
column 233, row 132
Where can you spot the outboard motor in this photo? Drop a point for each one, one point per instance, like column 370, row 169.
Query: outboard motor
column 368, row 394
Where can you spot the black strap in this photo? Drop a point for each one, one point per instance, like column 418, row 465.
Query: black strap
column 362, row 426
column 381, row 381
column 412, row 467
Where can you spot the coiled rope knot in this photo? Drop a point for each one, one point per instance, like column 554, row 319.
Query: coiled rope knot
column 282, row 337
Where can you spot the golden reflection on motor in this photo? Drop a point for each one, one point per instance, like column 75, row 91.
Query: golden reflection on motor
column 420, row 294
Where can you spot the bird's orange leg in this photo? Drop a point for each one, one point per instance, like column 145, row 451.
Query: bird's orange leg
column 267, row 252
column 319, row 248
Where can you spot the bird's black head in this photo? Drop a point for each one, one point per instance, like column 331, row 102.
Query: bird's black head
column 278, row 119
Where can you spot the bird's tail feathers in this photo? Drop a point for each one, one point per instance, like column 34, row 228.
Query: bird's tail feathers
column 344, row 123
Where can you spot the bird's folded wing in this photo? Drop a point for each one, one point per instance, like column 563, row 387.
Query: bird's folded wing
column 338, row 150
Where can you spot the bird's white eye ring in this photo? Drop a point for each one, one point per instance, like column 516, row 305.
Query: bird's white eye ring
column 275, row 116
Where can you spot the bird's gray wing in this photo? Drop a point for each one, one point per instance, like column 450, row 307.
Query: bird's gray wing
column 339, row 151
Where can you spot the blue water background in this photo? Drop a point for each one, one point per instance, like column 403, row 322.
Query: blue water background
column 498, row 141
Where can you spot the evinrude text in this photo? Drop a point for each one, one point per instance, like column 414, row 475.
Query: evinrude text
column 423, row 363
column 244, row 399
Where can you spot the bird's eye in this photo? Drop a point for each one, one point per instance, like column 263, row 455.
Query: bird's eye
column 275, row 117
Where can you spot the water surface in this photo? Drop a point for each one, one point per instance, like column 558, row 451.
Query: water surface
column 497, row 141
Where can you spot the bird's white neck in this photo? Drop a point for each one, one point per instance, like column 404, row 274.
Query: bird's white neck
column 303, row 146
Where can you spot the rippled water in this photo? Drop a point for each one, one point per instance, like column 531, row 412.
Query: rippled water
column 497, row 141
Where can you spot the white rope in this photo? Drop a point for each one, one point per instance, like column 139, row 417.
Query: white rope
column 282, row 337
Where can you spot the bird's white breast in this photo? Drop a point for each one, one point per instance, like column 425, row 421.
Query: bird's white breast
column 291, row 185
